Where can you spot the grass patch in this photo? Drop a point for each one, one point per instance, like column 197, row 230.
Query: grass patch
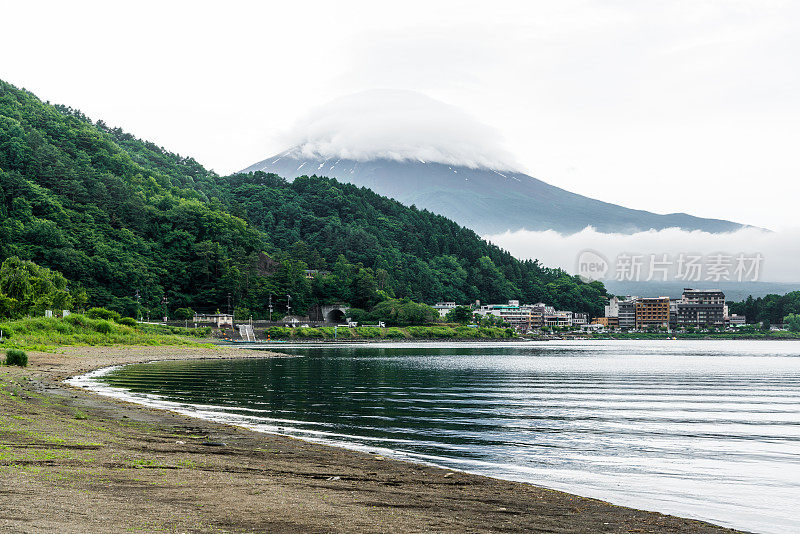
column 411, row 332
column 45, row 333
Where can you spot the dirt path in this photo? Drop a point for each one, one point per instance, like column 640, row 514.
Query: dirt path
column 71, row 461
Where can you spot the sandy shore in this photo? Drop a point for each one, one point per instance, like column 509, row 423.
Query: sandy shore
column 72, row 461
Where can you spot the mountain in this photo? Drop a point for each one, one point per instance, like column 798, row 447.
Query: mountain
column 122, row 218
column 734, row 291
column 487, row 201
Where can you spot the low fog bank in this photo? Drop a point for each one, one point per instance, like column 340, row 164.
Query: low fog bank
column 780, row 250
column 401, row 126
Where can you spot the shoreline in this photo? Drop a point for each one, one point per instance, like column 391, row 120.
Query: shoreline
column 76, row 459
column 276, row 345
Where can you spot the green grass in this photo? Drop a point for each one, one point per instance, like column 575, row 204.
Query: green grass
column 411, row 332
column 45, row 333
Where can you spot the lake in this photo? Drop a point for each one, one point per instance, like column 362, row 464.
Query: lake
column 702, row 429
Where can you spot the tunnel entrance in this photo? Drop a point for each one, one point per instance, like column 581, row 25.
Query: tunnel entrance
column 335, row 317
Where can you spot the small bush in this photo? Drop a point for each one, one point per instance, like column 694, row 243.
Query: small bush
column 393, row 333
column 336, row 333
column 127, row 321
column 103, row 327
column 278, row 332
column 183, row 314
column 308, row 333
column 431, row 332
column 61, row 327
column 77, row 320
column 8, row 332
column 368, row 332
column 102, row 313
column 16, row 357
column 464, row 332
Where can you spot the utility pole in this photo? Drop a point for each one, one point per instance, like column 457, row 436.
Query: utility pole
column 138, row 305
column 229, row 303
column 165, row 301
column 288, row 304
column 270, row 307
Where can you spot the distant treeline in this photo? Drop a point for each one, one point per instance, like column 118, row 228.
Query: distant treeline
column 772, row 308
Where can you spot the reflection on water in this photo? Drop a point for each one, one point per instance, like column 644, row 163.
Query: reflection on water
column 703, row 429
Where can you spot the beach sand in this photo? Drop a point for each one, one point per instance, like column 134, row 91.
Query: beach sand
column 73, row 461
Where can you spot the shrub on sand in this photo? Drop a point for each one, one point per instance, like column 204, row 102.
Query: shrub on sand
column 16, row 357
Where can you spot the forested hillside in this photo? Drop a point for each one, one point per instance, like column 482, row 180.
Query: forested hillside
column 120, row 216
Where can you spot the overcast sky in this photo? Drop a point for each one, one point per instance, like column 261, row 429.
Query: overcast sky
column 667, row 106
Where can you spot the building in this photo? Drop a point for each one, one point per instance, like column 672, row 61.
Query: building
column 313, row 273
column 538, row 312
column 607, row 322
column 560, row 319
column 444, row 308
column 530, row 316
column 652, row 311
column 217, row 319
column 701, row 307
column 511, row 313
column 735, row 321
column 612, row 308
column 541, row 308
column 673, row 313
column 580, row 319
column 623, row 310
column 627, row 314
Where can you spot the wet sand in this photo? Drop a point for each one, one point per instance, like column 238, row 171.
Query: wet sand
column 72, row 461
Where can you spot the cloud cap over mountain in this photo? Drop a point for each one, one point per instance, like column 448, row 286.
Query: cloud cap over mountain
column 401, row 126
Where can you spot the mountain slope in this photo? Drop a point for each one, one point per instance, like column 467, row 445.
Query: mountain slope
column 487, row 201
column 121, row 216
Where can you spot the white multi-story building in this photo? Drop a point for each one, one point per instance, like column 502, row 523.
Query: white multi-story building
column 559, row 318
column 444, row 307
column 735, row 321
column 512, row 313
column 533, row 315
column 612, row 308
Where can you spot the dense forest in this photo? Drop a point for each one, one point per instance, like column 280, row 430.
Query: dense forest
column 772, row 309
column 134, row 225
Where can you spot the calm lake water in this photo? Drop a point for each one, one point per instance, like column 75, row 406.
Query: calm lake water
column 703, row 429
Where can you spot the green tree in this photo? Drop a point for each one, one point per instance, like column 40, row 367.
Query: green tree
column 403, row 312
column 28, row 289
column 459, row 314
column 183, row 314
column 792, row 321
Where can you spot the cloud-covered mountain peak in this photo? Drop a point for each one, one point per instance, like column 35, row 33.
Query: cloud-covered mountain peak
column 400, row 126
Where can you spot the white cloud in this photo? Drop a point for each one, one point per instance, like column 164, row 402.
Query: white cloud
column 780, row 250
column 398, row 125
column 693, row 99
